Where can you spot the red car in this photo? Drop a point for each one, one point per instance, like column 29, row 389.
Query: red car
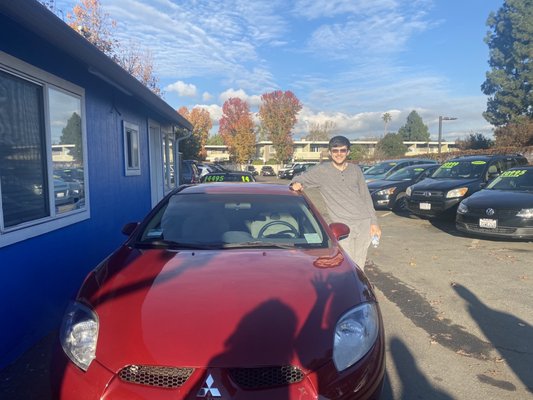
column 228, row 291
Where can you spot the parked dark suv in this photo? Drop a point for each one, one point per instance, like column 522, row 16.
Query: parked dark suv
column 455, row 180
column 189, row 172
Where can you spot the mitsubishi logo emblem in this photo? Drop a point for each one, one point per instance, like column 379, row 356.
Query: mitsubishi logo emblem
column 489, row 211
column 208, row 389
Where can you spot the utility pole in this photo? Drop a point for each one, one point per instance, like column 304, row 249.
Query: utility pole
column 441, row 118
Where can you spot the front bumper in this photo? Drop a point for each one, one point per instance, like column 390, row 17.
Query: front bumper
column 512, row 228
column 433, row 208
column 362, row 381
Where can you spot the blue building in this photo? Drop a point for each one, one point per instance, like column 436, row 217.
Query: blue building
column 84, row 149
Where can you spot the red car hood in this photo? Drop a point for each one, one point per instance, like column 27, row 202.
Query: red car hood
column 229, row 308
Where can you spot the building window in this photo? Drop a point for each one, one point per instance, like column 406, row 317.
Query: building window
column 43, row 183
column 132, row 159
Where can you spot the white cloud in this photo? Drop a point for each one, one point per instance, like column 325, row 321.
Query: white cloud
column 215, row 111
column 182, row 88
column 203, row 39
column 313, row 9
column 253, row 101
column 206, row 96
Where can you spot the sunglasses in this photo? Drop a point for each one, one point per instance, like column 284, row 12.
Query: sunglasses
column 339, row 151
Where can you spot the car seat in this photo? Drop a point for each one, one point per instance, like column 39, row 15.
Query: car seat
column 492, row 172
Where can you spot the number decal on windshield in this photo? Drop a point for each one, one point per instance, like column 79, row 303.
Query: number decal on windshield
column 450, row 164
column 513, row 174
column 214, row 178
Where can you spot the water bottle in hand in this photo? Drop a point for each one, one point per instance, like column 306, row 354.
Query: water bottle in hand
column 375, row 241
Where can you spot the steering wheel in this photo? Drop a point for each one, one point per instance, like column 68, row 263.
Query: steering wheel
column 292, row 229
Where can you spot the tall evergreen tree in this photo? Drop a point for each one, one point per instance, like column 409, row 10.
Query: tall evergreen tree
column 414, row 129
column 511, row 50
column 71, row 134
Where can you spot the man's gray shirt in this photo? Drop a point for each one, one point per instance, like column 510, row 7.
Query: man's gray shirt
column 345, row 192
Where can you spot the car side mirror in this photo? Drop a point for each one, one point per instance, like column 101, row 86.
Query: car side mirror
column 129, row 228
column 339, row 230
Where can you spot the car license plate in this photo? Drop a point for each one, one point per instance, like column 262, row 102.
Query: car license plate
column 488, row 223
column 425, row 206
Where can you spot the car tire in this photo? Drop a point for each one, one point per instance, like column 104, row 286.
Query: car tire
column 400, row 205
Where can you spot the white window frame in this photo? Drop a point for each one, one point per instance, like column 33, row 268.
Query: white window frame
column 54, row 221
column 132, row 166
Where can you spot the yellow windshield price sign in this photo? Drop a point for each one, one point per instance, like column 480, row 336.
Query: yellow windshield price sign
column 450, row 164
column 513, row 174
column 214, row 178
column 478, row 162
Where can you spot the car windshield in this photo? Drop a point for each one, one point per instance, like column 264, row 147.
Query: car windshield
column 231, row 221
column 405, row 174
column 380, row 168
column 461, row 170
column 516, row 179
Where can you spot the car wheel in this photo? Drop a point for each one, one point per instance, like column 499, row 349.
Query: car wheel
column 401, row 203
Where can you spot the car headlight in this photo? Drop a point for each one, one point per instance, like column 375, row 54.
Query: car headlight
column 462, row 209
column 79, row 333
column 386, row 192
column 525, row 213
column 460, row 192
column 355, row 334
column 408, row 191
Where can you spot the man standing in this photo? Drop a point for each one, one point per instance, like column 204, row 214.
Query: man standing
column 343, row 187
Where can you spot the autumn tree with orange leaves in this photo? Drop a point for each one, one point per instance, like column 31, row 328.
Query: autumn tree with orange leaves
column 200, row 120
column 89, row 20
column 237, row 129
column 278, row 116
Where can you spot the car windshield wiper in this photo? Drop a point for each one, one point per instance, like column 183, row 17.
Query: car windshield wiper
column 259, row 244
column 170, row 244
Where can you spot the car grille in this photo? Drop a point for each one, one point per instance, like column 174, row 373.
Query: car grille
column 257, row 378
column 165, row 377
column 427, row 194
column 481, row 212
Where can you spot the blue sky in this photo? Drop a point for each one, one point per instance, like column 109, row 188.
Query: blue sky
column 348, row 61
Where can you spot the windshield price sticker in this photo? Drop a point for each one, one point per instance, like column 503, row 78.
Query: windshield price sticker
column 214, row 178
column 513, row 174
column 450, row 164
column 478, row 162
column 419, row 169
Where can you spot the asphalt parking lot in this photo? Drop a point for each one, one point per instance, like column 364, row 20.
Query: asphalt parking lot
column 457, row 311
